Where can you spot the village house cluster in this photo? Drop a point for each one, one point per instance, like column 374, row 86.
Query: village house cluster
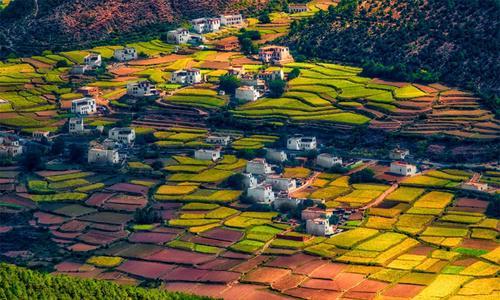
column 254, row 85
column 203, row 25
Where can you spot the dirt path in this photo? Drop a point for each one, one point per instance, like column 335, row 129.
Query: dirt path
column 306, row 184
column 381, row 197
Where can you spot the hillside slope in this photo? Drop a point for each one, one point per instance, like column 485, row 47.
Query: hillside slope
column 451, row 40
column 31, row 25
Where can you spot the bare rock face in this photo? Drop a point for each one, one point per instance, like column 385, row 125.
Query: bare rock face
column 31, row 25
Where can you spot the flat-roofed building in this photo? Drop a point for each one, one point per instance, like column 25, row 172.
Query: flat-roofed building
column 125, row 54
column 258, row 166
column 84, row 106
column 124, row 135
column 300, row 143
column 402, row 168
column 207, row 154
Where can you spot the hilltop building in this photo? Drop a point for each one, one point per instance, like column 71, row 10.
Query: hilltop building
column 101, row 155
column 247, row 93
column 258, row 166
column 84, row 106
column 205, row 25
column 76, row 125
column 399, row 154
column 178, row 36
column 301, row 143
column 279, row 183
column 402, row 168
column 319, row 227
column 474, row 186
column 232, row 20
column 10, row 146
column 271, row 75
column 276, row 155
column 187, row 77
column 258, row 84
column 142, row 89
column 219, row 140
column 39, row 135
column 93, row 60
column 249, row 181
column 278, row 55
column 207, row 154
column 125, row 54
column 294, row 8
column 326, row 160
column 124, row 135
column 261, row 194
column 79, row 69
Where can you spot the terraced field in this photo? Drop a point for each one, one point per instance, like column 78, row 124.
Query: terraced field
column 418, row 242
column 33, row 91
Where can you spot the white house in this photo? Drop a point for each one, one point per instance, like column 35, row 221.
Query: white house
column 188, row 76
column 249, row 181
column 258, row 84
column 76, row 126
column 207, row 154
column 124, row 135
column 399, row 154
column 231, row 20
column 10, row 147
column 262, row 194
column 319, row 227
column 402, row 168
column 125, row 54
column 100, row 155
column 237, row 71
column 474, row 186
column 278, row 55
column 290, row 202
column 271, row 75
column 301, row 143
column 39, row 135
column 93, row 60
column 204, row 25
column 218, row 140
column 178, row 36
column 276, row 155
column 79, row 69
column 326, row 160
column 258, row 166
column 294, row 8
column 247, row 93
column 84, row 106
column 142, row 89
column 280, row 183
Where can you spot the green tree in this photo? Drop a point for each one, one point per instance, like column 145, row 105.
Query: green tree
column 294, row 73
column 62, row 63
column 264, row 18
column 229, row 83
column 32, row 160
column 365, row 175
column 277, row 88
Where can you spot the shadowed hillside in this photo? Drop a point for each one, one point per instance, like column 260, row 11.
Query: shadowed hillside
column 33, row 25
column 451, row 40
